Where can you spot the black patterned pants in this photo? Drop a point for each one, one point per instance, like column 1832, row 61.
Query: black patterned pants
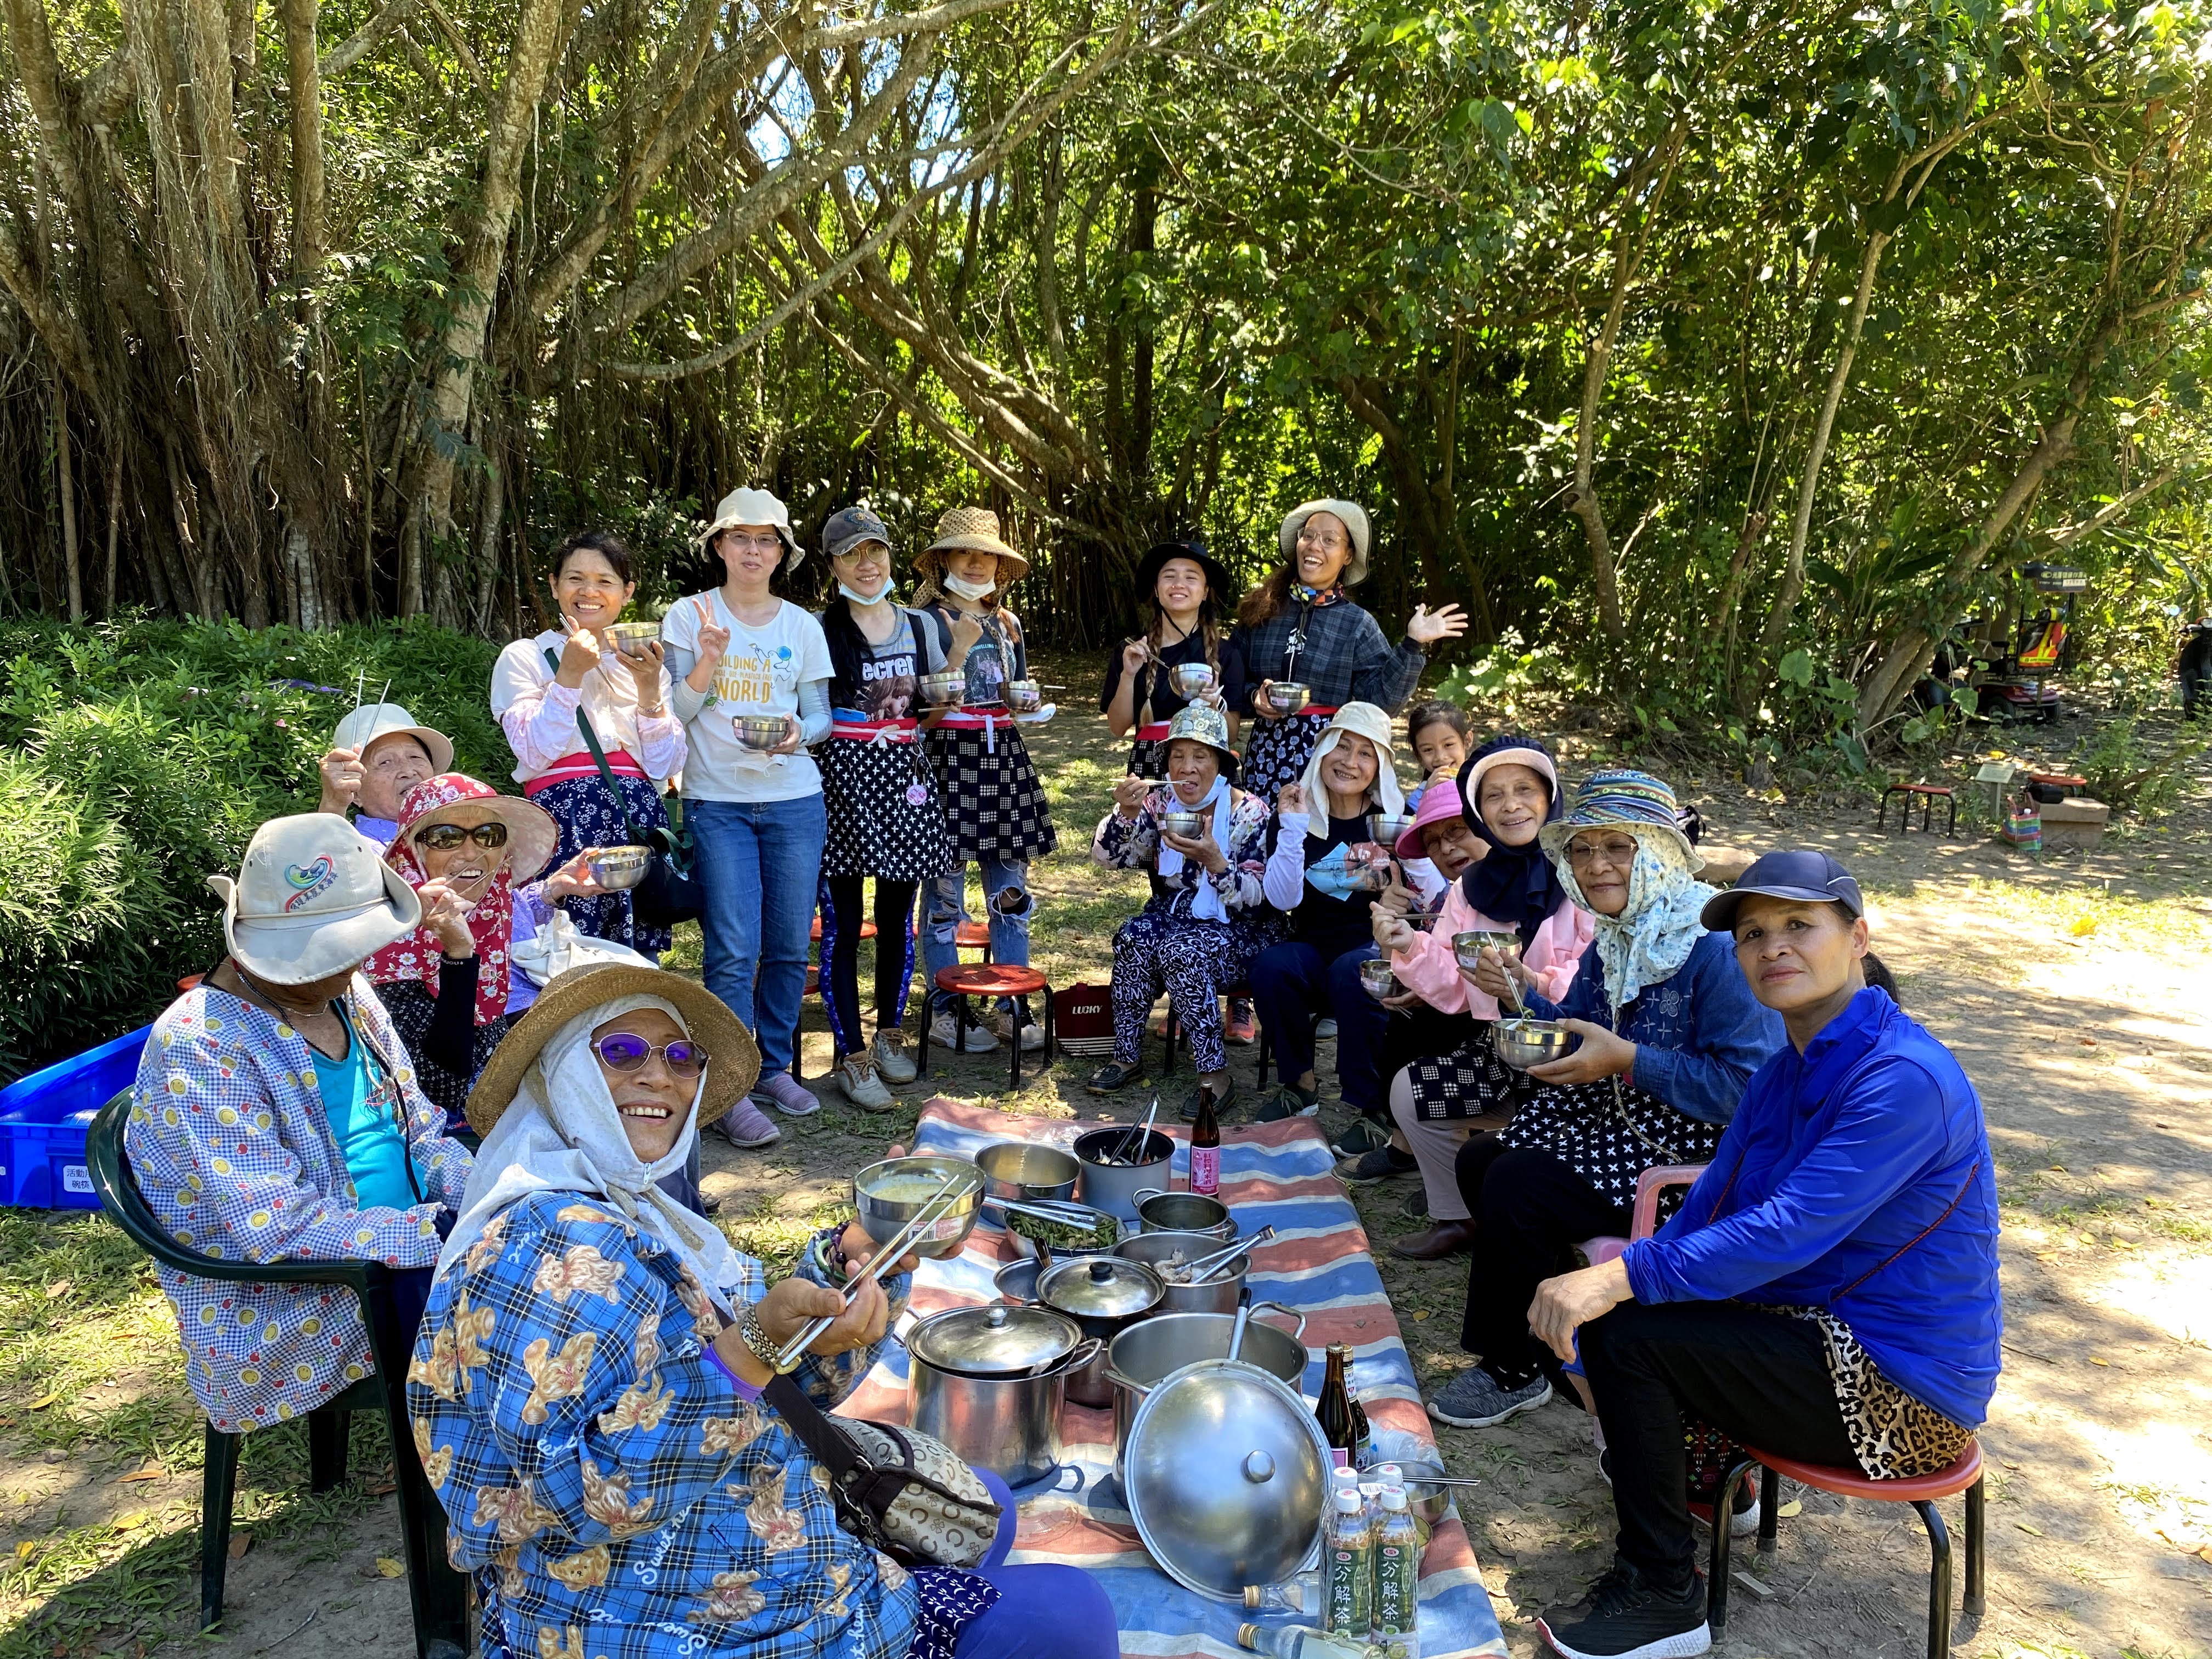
column 1193, row 961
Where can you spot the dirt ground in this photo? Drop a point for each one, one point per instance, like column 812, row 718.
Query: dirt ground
column 2072, row 989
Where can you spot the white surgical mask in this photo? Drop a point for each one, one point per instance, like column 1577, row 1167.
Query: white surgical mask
column 881, row 593
column 976, row 593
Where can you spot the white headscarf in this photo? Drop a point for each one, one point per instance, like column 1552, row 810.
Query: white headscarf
column 562, row 1134
column 1370, row 722
column 1204, row 903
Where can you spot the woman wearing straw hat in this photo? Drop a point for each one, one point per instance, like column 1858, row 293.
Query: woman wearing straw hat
column 995, row 811
column 591, row 1393
column 755, row 816
column 1186, row 589
column 1668, row 1034
column 542, row 688
column 1301, row 627
column 1208, row 915
column 275, row 1115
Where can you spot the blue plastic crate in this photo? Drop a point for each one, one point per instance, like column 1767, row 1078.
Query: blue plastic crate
column 44, row 1120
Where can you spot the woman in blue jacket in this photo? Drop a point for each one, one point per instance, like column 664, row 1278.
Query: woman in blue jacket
column 1668, row 1035
column 1828, row 1290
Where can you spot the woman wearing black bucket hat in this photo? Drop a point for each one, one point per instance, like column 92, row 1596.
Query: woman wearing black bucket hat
column 1186, row 587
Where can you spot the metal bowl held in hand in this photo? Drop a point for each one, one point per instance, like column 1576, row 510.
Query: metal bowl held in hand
column 1118, row 1165
column 1376, row 978
column 990, row 1384
column 631, row 638
column 1191, row 679
column 1104, row 1295
column 1525, row 1043
column 762, row 731
column 1025, row 696
column 1141, row 1356
column 1467, row 948
column 943, row 690
column 1385, row 828
column 890, row 1193
column 1161, row 1212
column 1188, row 825
column 616, row 868
column 1224, row 1476
column 1023, row 1169
column 1287, row 698
column 1164, row 1251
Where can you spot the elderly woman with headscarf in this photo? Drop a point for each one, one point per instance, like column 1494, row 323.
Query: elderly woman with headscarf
column 1667, row 1034
column 1324, row 867
column 1509, row 791
column 1300, row 627
column 1207, row 916
column 275, row 1116
column 590, row 1391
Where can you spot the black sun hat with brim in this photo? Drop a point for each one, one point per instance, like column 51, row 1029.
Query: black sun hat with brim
column 1220, row 590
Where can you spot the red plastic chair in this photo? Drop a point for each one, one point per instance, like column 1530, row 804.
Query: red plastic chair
column 1964, row 1475
column 992, row 979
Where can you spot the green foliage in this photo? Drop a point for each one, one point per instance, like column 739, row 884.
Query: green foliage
column 135, row 760
column 2134, row 773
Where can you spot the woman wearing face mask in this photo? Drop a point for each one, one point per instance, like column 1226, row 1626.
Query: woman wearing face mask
column 1511, row 790
column 1186, row 587
column 624, row 695
column 1208, row 914
column 885, row 819
column 1324, row 872
column 1301, row 627
column 590, row 1390
column 1668, row 1033
column 995, row 810
column 756, row 817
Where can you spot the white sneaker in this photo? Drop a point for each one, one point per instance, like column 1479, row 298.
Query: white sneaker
column 893, row 1063
column 980, row 1041
column 1032, row 1033
column 857, row 1077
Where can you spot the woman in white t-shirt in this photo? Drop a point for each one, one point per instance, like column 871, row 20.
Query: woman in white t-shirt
column 755, row 816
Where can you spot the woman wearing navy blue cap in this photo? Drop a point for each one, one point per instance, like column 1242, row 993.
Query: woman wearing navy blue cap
column 1828, row 1290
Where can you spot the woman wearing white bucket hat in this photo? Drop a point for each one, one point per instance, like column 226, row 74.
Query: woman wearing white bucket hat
column 275, row 1115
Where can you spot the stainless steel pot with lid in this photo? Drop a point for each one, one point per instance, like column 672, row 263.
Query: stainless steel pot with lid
column 1225, row 1477
column 990, row 1383
column 993, row 1341
column 1103, row 1294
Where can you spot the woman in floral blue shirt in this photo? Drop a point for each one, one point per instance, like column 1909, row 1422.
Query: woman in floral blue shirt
column 586, row 1391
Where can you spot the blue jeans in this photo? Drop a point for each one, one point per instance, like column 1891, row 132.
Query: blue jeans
column 1295, row 985
column 758, row 863
column 945, row 907
column 1044, row 1610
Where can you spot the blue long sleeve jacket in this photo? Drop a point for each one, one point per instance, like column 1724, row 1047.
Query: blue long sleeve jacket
column 1855, row 1177
column 1698, row 1034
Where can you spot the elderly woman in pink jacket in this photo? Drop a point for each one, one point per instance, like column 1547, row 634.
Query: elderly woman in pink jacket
column 1509, row 790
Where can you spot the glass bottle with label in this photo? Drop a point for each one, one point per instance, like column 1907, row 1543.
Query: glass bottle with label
column 1205, row 1147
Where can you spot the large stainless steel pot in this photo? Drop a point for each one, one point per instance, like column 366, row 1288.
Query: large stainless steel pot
column 1217, row 1295
column 1162, row 1212
column 1103, row 1295
column 1114, row 1187
column 1139, row 1357
column 990, row 1383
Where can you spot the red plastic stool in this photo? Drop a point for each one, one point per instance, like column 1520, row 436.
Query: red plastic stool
column 991, row 979
column 867, row 930
column 813, row 985
column 972, row 936
column 1964, row 1475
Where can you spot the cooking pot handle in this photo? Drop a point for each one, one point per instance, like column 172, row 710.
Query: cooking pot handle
column 1084, row 1352
column 1115, row 1377
column 1144, row 1192
column 1299, row 1331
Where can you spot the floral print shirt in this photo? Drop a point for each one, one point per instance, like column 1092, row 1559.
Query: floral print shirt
column 616, row 1496
column 1122, row 843
column 229, row 1144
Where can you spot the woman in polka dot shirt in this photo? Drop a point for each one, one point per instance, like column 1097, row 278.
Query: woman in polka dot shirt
column 275, row 1116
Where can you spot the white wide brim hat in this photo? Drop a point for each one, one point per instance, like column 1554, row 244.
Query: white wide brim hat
column 754, row 507
column 384, row 719
column 314, row 897
column 1351, row 514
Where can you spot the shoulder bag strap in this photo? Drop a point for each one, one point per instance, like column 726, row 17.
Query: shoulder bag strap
column 830, row 1445
column 599, row 760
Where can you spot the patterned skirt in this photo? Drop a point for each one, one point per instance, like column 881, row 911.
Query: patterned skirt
column 1471, row 1081
column 1148, row 758
column 412, row 1007
column 1609, row 1133
column 587, row 817
column 1279, row 751
column 993, row 801
column 876, row 827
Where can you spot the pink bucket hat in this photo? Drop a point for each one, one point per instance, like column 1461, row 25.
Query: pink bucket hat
column 1439, row 800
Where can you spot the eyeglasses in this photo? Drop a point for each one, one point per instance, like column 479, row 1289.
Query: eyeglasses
column 1617, row 850
column 622, row 1051
column 445, row 837
column 737, row 543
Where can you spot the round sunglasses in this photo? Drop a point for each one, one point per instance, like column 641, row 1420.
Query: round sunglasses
column 445, row 837
column 624, row 1051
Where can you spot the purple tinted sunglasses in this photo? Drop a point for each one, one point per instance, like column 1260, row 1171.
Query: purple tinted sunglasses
column 622, row 1051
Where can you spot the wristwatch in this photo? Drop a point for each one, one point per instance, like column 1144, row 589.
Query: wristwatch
column 754, row 1335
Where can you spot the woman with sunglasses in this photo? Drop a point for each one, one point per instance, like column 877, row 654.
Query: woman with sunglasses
column 592, row 1391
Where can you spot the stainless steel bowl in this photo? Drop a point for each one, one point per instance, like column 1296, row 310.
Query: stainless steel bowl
column 1387, row 827
column 762, row 730
column 1525, row 1043
column 1158, row 1251
column 891, row 1192
column 943, row 690
column 1016, row 1282
column 631, row 637
column 1189, row 825
column 1376, row 979
column 1287, row 698
column 1035, row 1238
column 1467, row 948
column 1025, row 696
column 1159, row 1211
column 616, row 868
column 1190, row 678
column 1020, row 1169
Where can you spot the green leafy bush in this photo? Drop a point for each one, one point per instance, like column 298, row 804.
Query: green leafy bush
column 2134, row 773
column 137, row 759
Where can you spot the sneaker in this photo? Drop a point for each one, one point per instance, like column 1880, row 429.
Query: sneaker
column 980, row 1041
column 1283, row 1102
column 1475, row 1400
column 1222, row 1102
column 748, row 1126
column 1114, row 1076
column 1416, row 1206
column 1624, row 1618
column 1743, row 1515
column 1378, row 1165
column 893, row 1063
column 1032, row 1032
column 856, row 1076
column 1365, row 1136
column 1324, row 1031
column 1242, row 1028
column 788, row 1095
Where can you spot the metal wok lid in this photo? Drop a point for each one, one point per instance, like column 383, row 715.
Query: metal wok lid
column 993, row 1341
column 1101, row 1287
column 1226, row 1474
